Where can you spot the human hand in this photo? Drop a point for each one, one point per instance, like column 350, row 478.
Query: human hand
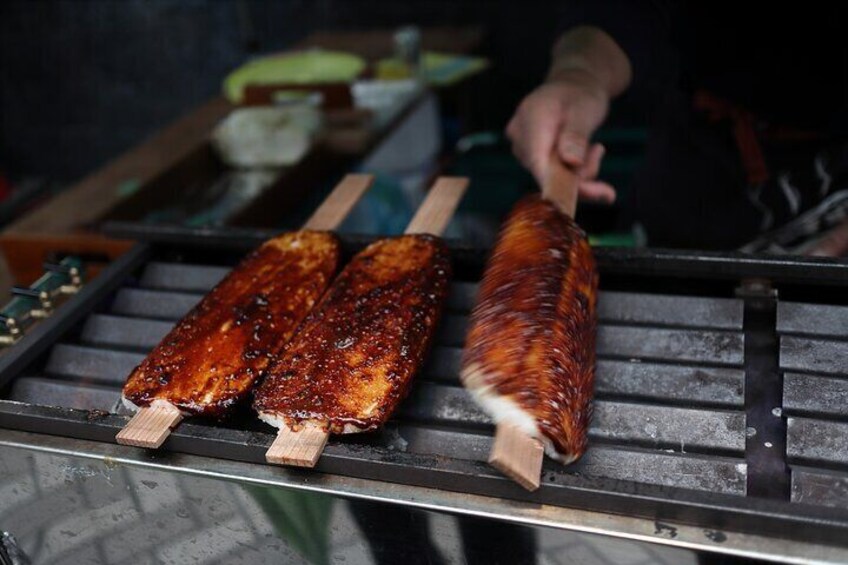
column 560, row 117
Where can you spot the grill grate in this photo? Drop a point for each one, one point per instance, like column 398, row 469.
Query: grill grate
column 814, row 362
column 670, row 415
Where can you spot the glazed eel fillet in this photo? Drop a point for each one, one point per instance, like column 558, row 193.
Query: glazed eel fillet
column 529, row 358
column 209, row 362
column 354, row 359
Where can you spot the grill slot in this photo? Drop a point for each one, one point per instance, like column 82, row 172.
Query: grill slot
column 669, row 426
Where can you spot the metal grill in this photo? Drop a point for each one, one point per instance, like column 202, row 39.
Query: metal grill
column 670, row 439
column 814, row 363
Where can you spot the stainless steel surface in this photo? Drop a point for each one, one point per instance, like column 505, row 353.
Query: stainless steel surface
column 82, row 499
column 820, row 441
column 816, row 486
column 814, row 355
column 815, row 394
column 670, row 413
column 812, row 319
column 814, row 363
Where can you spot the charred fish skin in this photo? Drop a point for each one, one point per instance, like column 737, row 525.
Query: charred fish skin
column 529, row 357
column 212, row 358
column 354, row 358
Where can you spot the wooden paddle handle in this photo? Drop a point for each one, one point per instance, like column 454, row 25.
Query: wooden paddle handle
column 335, row 208
column 435, row 213
column 560, row 186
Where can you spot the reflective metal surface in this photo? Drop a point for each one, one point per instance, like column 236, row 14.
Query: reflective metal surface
column 72, row 501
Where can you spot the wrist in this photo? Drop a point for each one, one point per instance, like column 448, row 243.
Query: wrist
column 590, row 55
column 579, row 76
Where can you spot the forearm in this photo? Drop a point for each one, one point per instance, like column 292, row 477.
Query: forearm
column 589, row 52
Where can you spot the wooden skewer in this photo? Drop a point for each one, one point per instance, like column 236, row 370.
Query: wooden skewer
column 517, row 455
column 514, row 453
column 339, row 203
column 435, row 213
column 303, row 447
column 561, row 185
column 300, row 448
column 151, row 425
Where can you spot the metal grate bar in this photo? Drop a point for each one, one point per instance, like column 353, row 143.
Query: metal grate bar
column 820, row 487
column 88, row 364
column 817, row 441
column 815, row 394
column 669, row 310
column 664, row 383
column 182, row 277
column 103, row 330
column 666, row 426
column 812, row 319
column 51, row 392
column 714, row 474
column 153, row 303
column 697, row 346
column 814, row 355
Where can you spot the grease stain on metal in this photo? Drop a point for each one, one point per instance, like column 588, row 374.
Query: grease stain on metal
column 715, row 536
column 665, row 530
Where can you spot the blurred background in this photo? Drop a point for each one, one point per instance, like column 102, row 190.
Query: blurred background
column 83, row 82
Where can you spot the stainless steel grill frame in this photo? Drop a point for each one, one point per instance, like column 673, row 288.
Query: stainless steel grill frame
column 701, row 368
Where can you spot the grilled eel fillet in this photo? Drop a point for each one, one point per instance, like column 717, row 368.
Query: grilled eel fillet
column 354, row 358
column 529, row 357
column 211, row 359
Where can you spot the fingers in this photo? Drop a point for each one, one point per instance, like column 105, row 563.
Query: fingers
column 560, row 119
column 590, row 188
column 597, row 191
column 578, row 125
column 592, row 165
column 533, row 132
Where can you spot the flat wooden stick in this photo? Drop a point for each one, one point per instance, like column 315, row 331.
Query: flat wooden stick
column 301, row 448
column 561, row 185
column 335, row 208
column 150, row 426
column 517, row 455
column 438, row 207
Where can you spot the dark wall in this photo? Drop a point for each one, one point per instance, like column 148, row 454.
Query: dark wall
column 81, row 81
